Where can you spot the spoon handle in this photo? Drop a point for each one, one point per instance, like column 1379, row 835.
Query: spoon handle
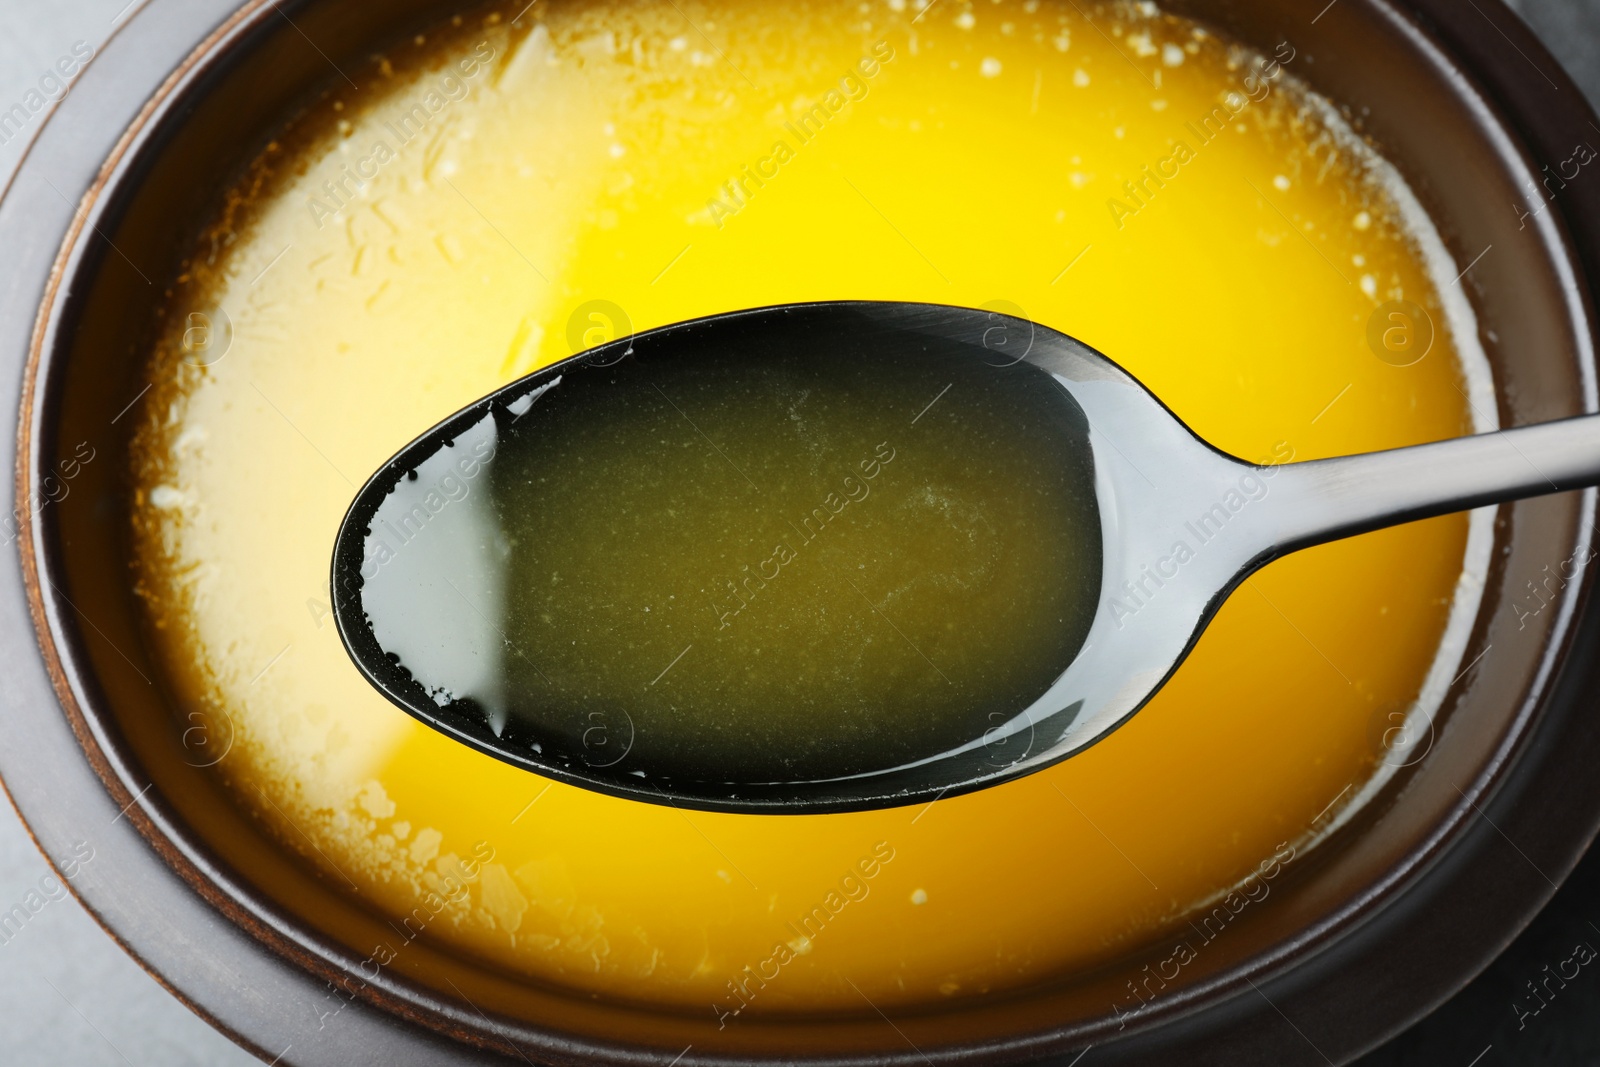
column 1326, row 499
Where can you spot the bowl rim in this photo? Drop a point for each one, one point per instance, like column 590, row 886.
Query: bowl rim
column 163, row 841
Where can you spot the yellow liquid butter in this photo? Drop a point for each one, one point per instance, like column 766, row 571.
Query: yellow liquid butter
column 497, row 194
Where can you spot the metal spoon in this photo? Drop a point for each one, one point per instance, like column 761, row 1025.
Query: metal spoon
column 1180, row 525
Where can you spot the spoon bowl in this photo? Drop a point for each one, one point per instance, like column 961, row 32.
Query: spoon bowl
column 1134, row 531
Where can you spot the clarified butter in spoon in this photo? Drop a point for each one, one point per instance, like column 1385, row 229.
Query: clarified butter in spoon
column 748, row 561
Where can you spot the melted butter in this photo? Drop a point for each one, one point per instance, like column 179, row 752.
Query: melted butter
column 589, row 164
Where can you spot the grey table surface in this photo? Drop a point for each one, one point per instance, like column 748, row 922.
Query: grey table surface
column 71, row 996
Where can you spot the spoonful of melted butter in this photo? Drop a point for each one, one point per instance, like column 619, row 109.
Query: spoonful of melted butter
column 835, row 556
